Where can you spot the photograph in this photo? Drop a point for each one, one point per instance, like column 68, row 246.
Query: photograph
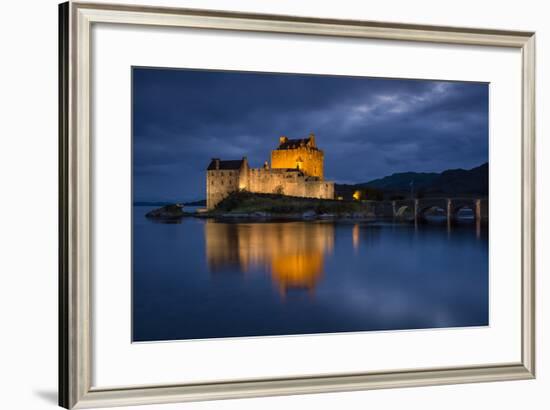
column 276, row 204
column 239, row 205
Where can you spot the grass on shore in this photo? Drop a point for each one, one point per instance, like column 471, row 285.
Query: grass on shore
column 247, row 202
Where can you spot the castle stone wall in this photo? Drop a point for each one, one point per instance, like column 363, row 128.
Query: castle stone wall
column 288, row 182
column 219, row 184
column 309, row 160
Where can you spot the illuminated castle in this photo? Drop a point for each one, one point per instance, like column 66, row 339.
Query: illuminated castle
column 296, row 170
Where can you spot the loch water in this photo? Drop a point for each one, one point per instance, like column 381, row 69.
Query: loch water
column 201, row 278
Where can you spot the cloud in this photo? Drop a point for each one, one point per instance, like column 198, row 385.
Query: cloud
column 368, row 127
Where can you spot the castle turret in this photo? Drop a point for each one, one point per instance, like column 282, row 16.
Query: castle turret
column 296, row 170
column 301, row 154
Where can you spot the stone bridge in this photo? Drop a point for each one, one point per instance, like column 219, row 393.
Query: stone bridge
column 419, row 208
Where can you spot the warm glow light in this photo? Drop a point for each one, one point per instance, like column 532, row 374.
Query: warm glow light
column 355, row 236
column 357, row 195
column 298, row 271
column 293, row 252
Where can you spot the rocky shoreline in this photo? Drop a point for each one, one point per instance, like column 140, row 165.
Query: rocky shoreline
column 173, row 211
column 268, row 207
column 176, row 212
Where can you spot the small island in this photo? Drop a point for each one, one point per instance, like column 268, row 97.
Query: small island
column 246, row 204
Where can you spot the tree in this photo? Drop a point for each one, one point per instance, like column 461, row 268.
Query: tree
column 279, row 190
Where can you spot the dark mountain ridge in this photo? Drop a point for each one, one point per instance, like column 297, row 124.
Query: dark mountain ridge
column 452, row 182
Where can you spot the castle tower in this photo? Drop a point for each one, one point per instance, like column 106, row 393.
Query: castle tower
column 300, row 154
column 296, row 170
column 224, row 177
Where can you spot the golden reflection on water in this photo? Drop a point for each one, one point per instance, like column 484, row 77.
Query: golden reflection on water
column 355, row 237
column 293, row 252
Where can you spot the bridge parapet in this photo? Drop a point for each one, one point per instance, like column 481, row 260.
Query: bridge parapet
column 450, row 206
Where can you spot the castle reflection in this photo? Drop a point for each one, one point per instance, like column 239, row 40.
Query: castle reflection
column 294, row 252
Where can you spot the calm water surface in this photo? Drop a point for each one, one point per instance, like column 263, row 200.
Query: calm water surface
column 207, row 279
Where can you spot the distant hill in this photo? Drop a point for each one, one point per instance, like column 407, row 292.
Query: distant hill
column 453, row 182
column 402, row 181
column 459, row 181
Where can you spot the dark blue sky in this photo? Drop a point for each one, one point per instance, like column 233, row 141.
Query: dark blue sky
column 367, row 127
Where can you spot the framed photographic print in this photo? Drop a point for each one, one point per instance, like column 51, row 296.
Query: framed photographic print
column 255, row 205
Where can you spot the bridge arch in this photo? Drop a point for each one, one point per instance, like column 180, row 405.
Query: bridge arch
column 424, row 205
column 464, row 203
column 402, row 207
column 450, row 206
column 402, row 210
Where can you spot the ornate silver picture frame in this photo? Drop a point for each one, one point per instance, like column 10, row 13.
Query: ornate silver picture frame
column 75, row 229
